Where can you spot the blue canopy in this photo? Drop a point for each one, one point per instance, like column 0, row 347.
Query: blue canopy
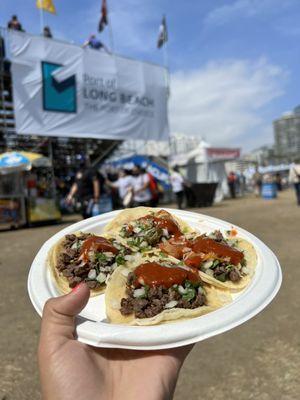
column 159, row 172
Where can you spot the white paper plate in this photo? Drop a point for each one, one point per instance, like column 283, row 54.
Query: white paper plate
column 93, row 328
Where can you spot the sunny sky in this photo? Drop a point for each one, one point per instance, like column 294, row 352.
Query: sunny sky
column 234, row 64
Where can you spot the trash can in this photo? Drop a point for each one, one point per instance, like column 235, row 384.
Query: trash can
column 269, row 191
column 201, row 194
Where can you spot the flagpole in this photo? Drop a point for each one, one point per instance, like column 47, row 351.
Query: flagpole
column 111, row 38
column 167, row 80
column 41, row 20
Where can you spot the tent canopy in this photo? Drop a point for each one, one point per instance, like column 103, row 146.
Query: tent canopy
column 15, row 161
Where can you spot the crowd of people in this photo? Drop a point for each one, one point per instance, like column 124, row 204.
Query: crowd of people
column 94, row 192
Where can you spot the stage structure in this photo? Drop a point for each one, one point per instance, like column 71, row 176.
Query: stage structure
column 64, row 90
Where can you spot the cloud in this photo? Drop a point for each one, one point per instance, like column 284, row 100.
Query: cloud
column 224, row 102
column 246, row 9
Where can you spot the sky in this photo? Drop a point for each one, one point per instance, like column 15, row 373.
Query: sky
column 234, row 64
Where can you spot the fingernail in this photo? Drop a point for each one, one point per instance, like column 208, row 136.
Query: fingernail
column 77, row 287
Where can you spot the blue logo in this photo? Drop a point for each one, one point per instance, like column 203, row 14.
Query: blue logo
column 58, row 96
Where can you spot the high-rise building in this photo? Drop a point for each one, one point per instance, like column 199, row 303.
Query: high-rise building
column 287, row 136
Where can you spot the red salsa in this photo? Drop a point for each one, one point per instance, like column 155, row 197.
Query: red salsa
column 207, row 245
column 165, row 222
column 96, row 243
column 153, row 274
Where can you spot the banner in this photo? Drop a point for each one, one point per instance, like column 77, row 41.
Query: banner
column 158, row 171
column 61, row 89
column 219, row 153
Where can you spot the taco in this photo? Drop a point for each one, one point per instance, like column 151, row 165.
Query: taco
column 143, row 228
column 159, row 291
column 83, row 257
column 225, row 262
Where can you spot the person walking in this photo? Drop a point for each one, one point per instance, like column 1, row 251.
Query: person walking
column 124, row 184
column 86, row 188
column 177, row 183
column 257, row 180
column 294, row 178
column 141, row 187
column 232, row 180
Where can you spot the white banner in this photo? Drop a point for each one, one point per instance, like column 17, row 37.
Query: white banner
column 64, row 90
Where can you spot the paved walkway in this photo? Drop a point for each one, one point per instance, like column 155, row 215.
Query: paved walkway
column 259, row 360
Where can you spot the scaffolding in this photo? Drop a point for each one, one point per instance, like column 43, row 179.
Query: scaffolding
column 68, row 153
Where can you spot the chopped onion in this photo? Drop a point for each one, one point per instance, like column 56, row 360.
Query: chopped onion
column 108, row 254
column 101, row 277
column 137, row 229
column 201, row 290
column 139, row 292
column 165, row 232
column 74, row 246
column 181, row 289
column 209, row 272
column 207, row 264
column 92, row 274
column 128, row 257
column 171, row 304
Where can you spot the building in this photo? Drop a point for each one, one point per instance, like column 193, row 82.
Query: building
column 287, row 136
column 263, row 155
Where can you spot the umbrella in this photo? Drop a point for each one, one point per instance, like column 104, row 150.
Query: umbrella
column 16, row 161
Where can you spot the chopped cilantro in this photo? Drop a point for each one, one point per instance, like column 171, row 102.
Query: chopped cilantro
column 120, row 260
column 190, row 294
column 101, row 257
column 163, row 255
column 215, row 264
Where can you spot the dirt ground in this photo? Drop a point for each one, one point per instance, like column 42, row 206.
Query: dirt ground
column 259, row 360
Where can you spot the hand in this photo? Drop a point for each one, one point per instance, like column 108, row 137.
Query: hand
column 73, row 370
column 69, row 199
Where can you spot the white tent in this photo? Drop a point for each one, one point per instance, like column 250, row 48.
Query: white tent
column 206, row 164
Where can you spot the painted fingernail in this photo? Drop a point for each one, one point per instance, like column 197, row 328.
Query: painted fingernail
column 77, row 287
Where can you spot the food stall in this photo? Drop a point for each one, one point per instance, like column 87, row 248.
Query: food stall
column 27, row 190
column 204, row 168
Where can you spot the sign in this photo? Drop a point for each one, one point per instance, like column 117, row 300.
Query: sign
column 218, row 153
column 65, row 90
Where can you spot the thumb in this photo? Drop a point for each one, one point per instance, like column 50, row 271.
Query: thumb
column 59, row 315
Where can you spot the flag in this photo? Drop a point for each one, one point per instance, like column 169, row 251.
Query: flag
column 163, row 33
column 46, row 5
column 103, row 20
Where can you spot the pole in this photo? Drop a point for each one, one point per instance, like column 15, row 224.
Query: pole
column 167, row 82
column 41, row 19
column 111, row 37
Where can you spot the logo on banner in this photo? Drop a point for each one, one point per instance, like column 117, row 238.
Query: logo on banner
column 58, row 96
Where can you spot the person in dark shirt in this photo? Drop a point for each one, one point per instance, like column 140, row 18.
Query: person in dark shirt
column 14, row 24
column 95, row 44
column 47, row 32
column 86, row 188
